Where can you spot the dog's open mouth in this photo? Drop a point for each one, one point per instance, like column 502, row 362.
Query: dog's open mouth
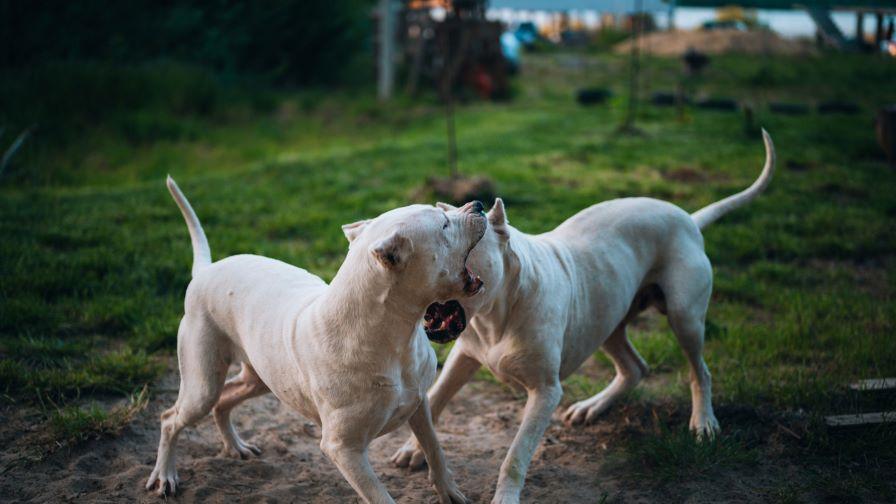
column 444, row 322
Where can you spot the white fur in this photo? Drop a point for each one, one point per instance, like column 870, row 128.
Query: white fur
column 352, row 355
column 554, row 298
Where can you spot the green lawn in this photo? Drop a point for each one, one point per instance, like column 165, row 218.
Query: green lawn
column 95, row 257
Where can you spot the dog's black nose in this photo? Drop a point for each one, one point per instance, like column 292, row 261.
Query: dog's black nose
column 478, row 206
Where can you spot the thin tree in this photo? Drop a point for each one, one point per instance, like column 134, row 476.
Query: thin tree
column 634, row 75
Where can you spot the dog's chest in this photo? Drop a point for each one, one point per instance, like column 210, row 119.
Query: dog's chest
column 399, row 402
column 407, row 387
column 408, row 401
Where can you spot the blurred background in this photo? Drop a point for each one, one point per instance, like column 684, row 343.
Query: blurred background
column 282, row 120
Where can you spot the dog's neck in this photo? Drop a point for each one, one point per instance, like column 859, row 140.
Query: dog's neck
column 364, row 298
column 519, row 273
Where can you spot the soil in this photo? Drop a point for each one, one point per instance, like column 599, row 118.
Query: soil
column 459, row 189
column 572, row 465
column 475, row 432
column 676, row 43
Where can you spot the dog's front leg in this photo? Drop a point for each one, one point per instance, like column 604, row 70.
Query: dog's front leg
column 458, row 370
column 540, row 405
column 439, row 474
column 351, row 458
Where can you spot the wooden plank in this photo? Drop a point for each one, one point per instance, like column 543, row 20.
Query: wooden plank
column 860, row 419
column 874, row 384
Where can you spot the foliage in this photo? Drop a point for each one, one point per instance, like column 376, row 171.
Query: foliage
column 288, row 41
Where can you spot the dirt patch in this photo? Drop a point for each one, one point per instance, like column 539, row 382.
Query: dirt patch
column 475, row 432
column 459, row 190
column 676, row 43
column 572, row 465
column 869, row 277
column 693, row 175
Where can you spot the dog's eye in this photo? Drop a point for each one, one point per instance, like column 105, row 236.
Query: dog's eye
column 446, row 224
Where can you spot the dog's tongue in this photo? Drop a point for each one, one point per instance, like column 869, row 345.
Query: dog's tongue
column 472, row 282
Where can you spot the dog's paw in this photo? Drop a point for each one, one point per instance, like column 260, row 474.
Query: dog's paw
column 410, row 455
column 453, row 495
column 165, row 480
column 502, row 498
column 705, row 427
column 585, row 412
column 241, row 451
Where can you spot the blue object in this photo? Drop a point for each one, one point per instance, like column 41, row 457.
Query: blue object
column 510, row 48
column 526, row 33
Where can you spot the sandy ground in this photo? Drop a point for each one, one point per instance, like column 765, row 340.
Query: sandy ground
column 475, row 432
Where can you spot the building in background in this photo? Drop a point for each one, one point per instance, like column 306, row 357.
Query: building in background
column 554, row 18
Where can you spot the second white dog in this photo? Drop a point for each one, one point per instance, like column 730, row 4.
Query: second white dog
column 554, row 298
column 352, row 355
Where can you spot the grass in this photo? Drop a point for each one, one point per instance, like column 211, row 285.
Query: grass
column 58, row 427
column 95, row 257
column 675, row 455
column 72, row 424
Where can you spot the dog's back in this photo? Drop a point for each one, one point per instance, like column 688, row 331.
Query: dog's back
column 249, row 296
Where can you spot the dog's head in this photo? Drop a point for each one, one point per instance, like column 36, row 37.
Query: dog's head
column 423, row 250
column 489, row 258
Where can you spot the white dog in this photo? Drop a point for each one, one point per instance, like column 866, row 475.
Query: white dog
column 352, row 355
column 554, row 298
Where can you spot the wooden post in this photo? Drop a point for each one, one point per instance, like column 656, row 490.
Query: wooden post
column 628, row 126
column 671, row 16
column 860, row 29
column 879, row 31
column 886, row 136
column 386, row 59
column 452, row 138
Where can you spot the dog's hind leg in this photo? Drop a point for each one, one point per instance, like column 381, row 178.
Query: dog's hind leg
column 245, row 385
column 687, row 290
column 630, row 369
column 202, row 357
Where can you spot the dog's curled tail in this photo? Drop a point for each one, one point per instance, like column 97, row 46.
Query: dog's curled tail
column 202, row 255
column 709, row 214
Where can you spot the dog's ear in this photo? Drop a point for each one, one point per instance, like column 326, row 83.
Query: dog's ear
column 446, row 207
column 354, row 229
column 392, row 251
column 497, row 219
